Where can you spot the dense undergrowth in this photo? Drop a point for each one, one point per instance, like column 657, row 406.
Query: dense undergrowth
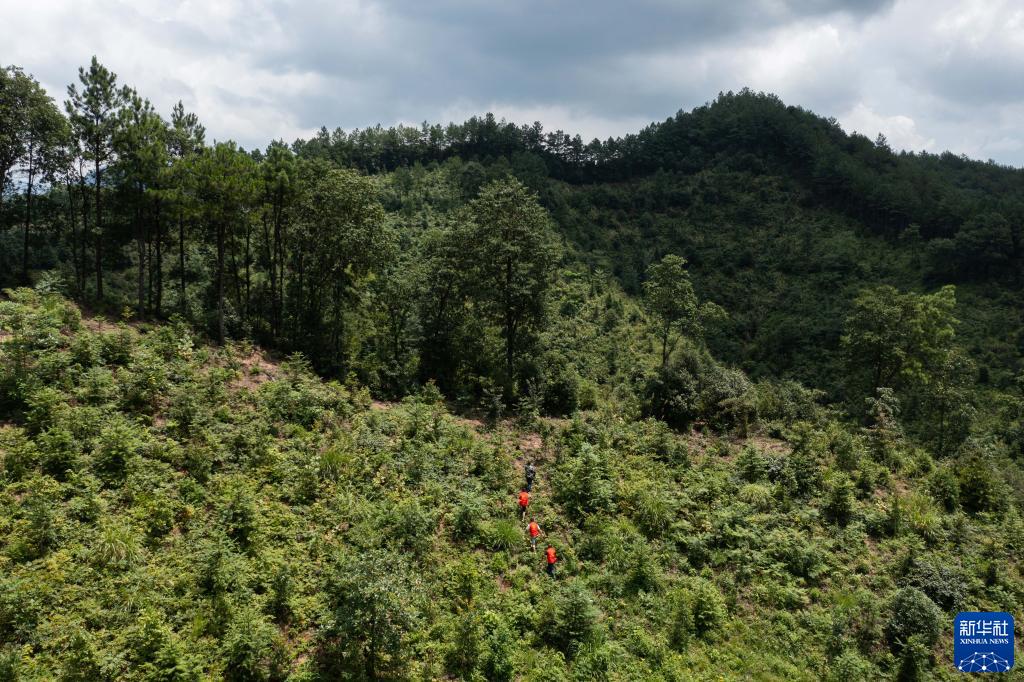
column 172, row 511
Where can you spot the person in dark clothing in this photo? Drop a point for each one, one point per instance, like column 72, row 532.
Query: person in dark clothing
column 531, row 473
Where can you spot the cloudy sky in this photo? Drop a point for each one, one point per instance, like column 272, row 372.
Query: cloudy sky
column 929, row 74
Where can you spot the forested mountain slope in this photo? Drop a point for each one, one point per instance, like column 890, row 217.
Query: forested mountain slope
column 771, row 374
column 174, row 511
column 782, row 215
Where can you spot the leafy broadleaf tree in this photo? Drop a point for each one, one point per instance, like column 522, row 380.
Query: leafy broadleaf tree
column 338, row 238
column 514, row 254
column 669, row 298
column 442, row 309
column 373, row 611
column 46, row 132
column 395, row 298
column 894, row 339
column 16, row 93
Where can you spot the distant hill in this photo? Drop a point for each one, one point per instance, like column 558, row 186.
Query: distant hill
column 782, row 215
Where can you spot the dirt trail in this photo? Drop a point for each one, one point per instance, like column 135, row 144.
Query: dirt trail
column 257, row 368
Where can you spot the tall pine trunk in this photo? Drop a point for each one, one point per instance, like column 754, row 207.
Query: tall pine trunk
column 73, row 237
column 158, row 303
column 248, row 276
column 99, row 234
column 221, row 334
column 140, row 245
column 84, row 270
column 182, row 303
column 28, row 212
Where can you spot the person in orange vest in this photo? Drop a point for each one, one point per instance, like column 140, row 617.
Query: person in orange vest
column 552, row 558
column 534, row 532
column 524, row 502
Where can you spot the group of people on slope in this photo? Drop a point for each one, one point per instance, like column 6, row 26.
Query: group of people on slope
column 533, row 528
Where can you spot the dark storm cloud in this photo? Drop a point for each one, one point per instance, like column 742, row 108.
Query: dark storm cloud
column 530, row 52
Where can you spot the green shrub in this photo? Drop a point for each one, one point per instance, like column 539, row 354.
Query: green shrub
column 373, row 612
column 697, row 610
column 10, row 663
column 19, row 455
column 839, row 504
column 156, row 652
column 117, row 346
column 97, row 387
column 981, row 487
column 845, row 447
column 80, row 663
column 43, row 407
column 411, row 525
column 333, row 462
column 142, row 382
column 654, row 439
column 885, row 435
column 37, row 531
column 217, row 567
column 654, row 510
column 921, row 516
column 157, row 514
column 560, row 385
column 463, row 655
column 681, row 627
column 59, row 451
column 800, row 475
column 709, row 612
column 857, row 621
column 116, row 547
column 757, row 495
column 915, row 660
column 644, row 573
column 282, row 592
column 87, row 504
column 851, row 667
column 570, row 618
column 786, row 401
column 944, row 487
column 912, row 614
column 497, row 656
column 468, row 514
column 505, row 536
column 946, row 585
column 751, row 464
column 239, row 514
column 595, row 663
column 117, row 445
column 251, row 649
column 582, row 482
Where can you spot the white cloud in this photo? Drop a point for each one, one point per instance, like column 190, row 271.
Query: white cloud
column 900, row 131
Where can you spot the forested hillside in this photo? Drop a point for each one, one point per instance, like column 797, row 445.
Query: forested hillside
column 264, row 414
column 178, row 512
